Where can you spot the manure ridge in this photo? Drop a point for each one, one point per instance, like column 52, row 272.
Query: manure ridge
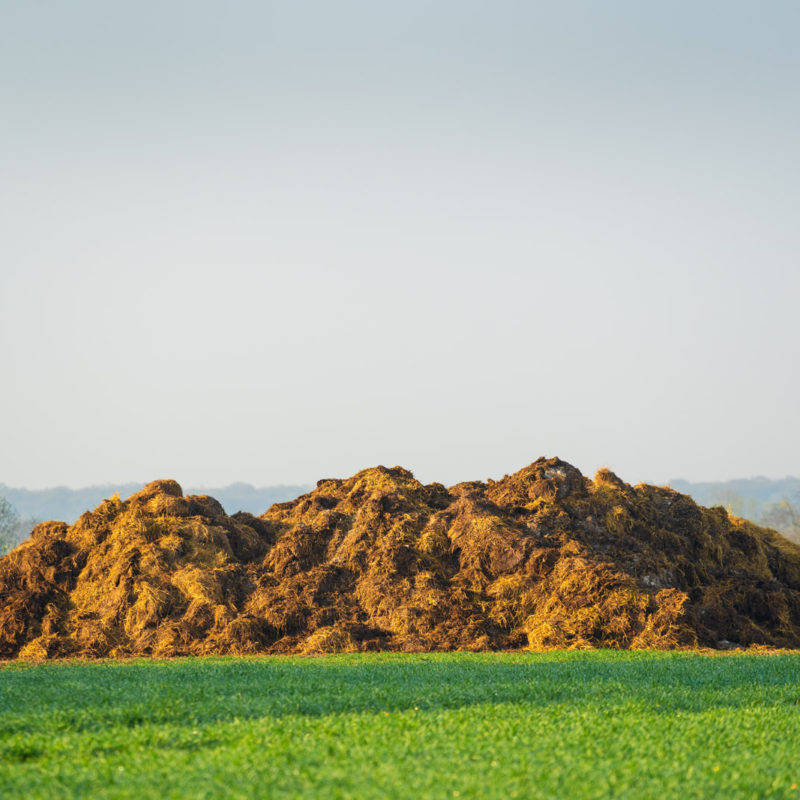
column 544, row 558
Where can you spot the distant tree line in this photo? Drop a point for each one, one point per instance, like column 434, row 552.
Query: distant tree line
column 771, row 503
column 21, row 509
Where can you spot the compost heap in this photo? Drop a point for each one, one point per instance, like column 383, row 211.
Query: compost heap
column 541, row 559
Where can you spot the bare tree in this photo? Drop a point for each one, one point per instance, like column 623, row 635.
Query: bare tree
column 14, row 529
column 9, row 523
column 784, row 517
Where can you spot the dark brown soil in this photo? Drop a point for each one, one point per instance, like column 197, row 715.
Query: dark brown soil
column 541, row 559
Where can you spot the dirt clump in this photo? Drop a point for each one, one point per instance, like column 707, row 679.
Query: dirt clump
column 544, row 558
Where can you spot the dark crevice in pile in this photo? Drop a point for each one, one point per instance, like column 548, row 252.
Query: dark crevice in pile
column 541, row 559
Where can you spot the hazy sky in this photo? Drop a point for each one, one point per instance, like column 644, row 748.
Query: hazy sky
column 274, row 242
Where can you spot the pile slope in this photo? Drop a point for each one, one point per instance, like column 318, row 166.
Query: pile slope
column 543, row 558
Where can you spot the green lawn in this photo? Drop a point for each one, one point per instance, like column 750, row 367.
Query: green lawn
column 566, row 725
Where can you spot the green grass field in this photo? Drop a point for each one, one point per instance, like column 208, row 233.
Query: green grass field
column 566, row 725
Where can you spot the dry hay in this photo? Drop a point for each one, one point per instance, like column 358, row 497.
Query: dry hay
column 544, row 558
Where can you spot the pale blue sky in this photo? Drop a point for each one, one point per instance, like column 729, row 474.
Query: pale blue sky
column 273, row 242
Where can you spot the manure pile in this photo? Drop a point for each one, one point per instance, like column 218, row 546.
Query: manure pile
column 541, row 559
